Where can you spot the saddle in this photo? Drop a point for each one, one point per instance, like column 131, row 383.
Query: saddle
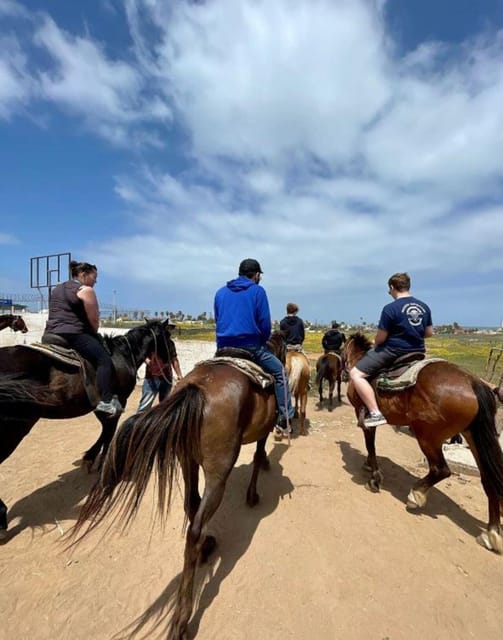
column 295, row 347
column 57, row 348
column 242, row 360
column 403, row 372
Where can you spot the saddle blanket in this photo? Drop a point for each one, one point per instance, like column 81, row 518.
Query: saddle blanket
column 407, row 379
column 257, row 375
column 67, row 356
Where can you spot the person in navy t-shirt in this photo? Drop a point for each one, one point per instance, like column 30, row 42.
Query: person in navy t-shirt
column 403, row 326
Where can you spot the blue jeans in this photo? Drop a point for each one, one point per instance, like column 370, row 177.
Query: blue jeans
column 270, row 364
column 150, row 389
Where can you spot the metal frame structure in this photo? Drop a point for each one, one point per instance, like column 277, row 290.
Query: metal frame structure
column 48, row 271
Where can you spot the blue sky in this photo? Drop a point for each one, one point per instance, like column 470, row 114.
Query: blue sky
column 336, row 141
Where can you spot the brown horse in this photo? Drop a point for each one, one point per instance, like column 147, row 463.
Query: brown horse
column 213, row 411
column 33, row 385
column 16, row 323
column 298, row 371
column 445, row 400
column 329, row 367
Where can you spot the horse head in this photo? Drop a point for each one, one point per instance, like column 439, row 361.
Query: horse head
column 277, row 345
column 18, row 324
column 355, row 348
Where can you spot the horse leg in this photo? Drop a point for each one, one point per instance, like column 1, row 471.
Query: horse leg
column 303, row 404
column 192, row 502
column 12, row 431
column 438, row 470
column 108, row 426
column 370, row 464
column 339, row 380
column 260, row 461
column 330, row 394
column 492, row 538
column 320, row 391
column 213, row 492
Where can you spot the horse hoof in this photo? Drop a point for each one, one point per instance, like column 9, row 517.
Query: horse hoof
column 491, row 540
column 415, row 499
column 373, row 486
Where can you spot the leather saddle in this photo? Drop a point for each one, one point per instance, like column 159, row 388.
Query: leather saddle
column 56, row 347
column 401, row 364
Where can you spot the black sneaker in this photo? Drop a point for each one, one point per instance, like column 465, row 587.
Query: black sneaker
column 282, row 428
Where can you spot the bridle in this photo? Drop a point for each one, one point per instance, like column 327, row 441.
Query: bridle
column 156, row 347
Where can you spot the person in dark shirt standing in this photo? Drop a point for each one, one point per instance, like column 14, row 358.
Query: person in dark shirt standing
column 292, row 325
column 159, row 374
column 333, row 339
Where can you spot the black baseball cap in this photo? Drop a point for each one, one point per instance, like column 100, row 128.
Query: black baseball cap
column 249, row 265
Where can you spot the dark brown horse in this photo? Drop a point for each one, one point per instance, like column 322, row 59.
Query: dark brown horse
column 214, row 410
column 16, row 323
column 445, row 400
column 329, row 367
column 34, row 386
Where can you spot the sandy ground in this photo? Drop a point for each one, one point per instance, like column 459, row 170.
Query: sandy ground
column 320, row 556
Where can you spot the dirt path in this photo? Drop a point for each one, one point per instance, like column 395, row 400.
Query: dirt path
column 320, row 557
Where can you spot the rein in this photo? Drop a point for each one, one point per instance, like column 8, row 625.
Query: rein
column 132, row 355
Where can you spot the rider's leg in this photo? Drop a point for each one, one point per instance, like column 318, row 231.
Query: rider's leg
column 268, row 361
column 91, row 348
column 364, row 389
column 148, row 394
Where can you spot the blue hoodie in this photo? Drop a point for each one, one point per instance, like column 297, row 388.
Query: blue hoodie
column 242, row 314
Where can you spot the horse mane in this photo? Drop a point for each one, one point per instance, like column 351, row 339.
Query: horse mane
column 118, row 342
column 360, row 341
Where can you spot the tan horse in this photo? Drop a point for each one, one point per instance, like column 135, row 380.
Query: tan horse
column 298, row 371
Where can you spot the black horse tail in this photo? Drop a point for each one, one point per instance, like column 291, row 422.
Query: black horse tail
column 156, row 438
column 485, row 437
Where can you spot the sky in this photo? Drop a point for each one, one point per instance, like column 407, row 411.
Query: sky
column 336, row 141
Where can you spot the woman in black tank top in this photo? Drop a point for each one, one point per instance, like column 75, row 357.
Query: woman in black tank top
column 74, row 315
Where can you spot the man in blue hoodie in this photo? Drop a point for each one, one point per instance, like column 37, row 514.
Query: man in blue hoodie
column 243, row 320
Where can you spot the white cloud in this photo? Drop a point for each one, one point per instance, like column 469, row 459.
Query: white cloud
column 7, row 238
column 15, row 84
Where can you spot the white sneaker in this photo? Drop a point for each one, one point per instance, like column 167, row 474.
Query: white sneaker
column 374, row 420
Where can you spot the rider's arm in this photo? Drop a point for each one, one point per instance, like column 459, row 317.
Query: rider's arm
column 428, row 332
column 88, row 297
column 380, row 337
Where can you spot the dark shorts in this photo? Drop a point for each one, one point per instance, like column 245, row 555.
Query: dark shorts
column 374, row 361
